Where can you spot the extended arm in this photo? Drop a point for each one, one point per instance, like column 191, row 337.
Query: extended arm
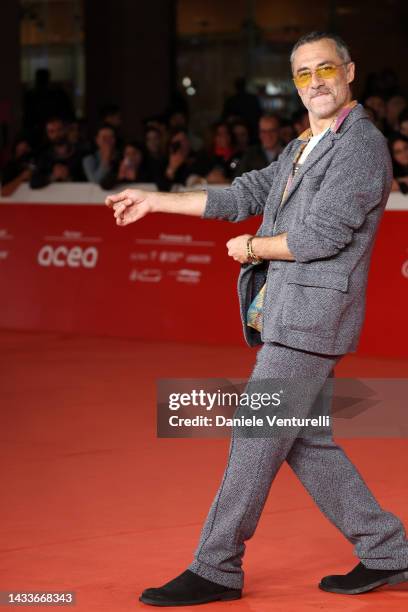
column 186, row 203
column 133, row 204
column 246, row 196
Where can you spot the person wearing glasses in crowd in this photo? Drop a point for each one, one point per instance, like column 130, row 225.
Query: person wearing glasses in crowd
column 260, row 155
column 302, row 290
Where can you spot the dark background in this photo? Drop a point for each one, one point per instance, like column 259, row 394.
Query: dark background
column 135, row 54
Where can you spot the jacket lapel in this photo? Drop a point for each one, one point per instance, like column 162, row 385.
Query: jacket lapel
column 325, row 144
column 314, row 156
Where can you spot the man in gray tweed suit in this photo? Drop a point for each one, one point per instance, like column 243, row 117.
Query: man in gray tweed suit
column 302, row 292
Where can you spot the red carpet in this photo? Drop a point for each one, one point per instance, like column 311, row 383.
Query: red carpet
column 93, row 502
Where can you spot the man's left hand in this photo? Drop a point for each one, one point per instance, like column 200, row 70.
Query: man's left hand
column 237, row 248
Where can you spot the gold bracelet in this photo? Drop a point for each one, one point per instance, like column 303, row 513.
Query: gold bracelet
column 250, row 253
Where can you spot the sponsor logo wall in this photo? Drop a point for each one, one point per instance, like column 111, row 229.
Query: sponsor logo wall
column 71, row 269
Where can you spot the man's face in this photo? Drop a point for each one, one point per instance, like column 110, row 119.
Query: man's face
column 106, row 138
column 55, row 131
column 269, row 132
column 323, row 97
column 153, row 142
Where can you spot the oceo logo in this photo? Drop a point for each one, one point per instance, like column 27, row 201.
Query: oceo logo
column 404, row 269
column 73, row 257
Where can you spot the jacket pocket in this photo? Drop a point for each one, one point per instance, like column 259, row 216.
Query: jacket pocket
column 314, row 300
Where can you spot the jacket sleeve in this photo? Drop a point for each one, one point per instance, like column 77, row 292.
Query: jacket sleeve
column 246, row 195
column 357, row 180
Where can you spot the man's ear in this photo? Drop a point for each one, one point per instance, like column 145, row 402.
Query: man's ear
column 351, row 67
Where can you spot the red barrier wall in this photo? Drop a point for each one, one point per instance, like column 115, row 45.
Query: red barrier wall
column 70, row 268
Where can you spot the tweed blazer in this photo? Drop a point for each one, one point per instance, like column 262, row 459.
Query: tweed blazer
column 331, row 214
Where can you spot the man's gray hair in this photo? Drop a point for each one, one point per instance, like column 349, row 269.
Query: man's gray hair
column 341, row 47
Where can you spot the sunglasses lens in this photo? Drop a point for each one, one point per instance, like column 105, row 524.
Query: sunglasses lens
column 326, row 72
column 301, row 80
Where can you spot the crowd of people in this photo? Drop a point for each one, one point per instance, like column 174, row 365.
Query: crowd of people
column 171, row 155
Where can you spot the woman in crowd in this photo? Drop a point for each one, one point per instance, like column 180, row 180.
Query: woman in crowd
column 399, row 154
column 131, row 168
column 223, row 154
column 155, row 156
column 101, row 166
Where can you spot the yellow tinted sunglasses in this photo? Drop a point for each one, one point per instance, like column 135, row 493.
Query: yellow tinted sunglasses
column 328, row 71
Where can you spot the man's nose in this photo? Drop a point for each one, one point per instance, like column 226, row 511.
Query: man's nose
column 316, row 81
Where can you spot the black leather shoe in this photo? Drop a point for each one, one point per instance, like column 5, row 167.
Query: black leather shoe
column 188, row 589
column 362, row 579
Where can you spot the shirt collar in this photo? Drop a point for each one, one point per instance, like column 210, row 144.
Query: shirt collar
column 345, row 110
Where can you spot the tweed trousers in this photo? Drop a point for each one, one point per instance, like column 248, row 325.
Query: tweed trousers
column 324, row 469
